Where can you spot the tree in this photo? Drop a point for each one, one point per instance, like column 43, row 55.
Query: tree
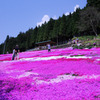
column 48, row 29
column 75, row 18
column 55, row 33
column 89, row 19
column 5, row 44
column 34, row 36
column 21, row 41
column 40, row 34
column 1, row 48
column 69, row 26
column 62, row 30
column 11, row 44
column 28, row 38
column 94, row 3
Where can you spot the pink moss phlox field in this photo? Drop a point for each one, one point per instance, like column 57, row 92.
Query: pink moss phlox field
column 62, row 74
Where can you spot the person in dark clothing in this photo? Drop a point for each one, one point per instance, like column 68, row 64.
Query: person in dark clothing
column 13, row 56
column 17, row 52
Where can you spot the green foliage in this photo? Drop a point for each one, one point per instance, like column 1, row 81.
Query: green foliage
column 93, row 3
column 1, row 48
column 82, row 46
column 78, row 47
column 87, row 41
column 83, row 22
column 89, row 20
column 88, row 37
column 55, row 31
column 92, row 41
column 62, row 30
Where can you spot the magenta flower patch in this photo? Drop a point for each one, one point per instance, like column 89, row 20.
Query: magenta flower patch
column 62, row 74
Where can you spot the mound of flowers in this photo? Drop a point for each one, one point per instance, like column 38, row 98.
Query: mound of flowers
column 62, row 74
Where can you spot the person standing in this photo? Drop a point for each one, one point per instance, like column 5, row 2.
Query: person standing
column 17, row 52
column 7, row 52
column 77, row 40
column 49, row 47
column 74, row 41
column 13, row 56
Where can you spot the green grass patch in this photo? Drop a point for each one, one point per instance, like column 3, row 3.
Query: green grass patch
column 75, row 75
column 92, row 41
column 90, row 37
column 76, row 55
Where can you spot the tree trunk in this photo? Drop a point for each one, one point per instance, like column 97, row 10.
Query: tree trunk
column 93, row 27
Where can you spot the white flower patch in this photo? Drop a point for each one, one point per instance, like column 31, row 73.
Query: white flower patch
column 41, row 58
column 26, row 74
column 48, row 58
column 52, row 57
column 98, row 59
column 77, row 57
column 60, row 78
column 14, row 71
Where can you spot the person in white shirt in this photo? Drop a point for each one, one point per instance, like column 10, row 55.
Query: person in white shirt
column 49, row 47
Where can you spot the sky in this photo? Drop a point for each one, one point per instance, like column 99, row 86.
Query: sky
column 20, row 15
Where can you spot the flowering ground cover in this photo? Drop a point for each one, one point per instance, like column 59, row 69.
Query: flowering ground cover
column 62, row 74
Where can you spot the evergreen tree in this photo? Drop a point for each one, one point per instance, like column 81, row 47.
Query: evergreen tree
column 75, row 19
column 62, row 31
column 1, row 48
column 55, row 32
column 5, row 49
column 28, row 38
column 21, row 41
column 69, row 26
column 34, row 36
column 11, row 44
column 48, row 29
